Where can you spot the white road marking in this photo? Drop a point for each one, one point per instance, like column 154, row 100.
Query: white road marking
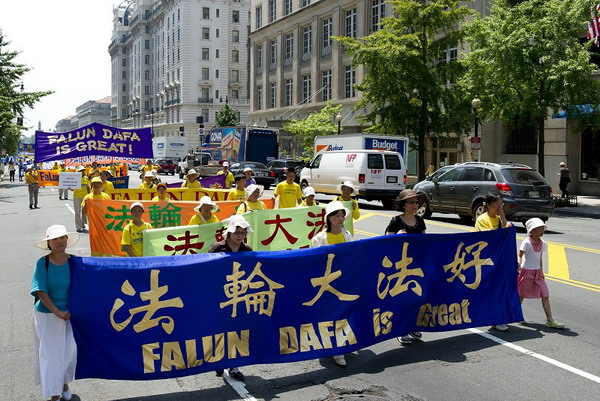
column 541, row 357
column 239, row 387
column 70, row 208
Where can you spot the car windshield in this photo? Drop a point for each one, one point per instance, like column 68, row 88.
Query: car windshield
column 294, row 164
column 254, row 165
column 522, row 176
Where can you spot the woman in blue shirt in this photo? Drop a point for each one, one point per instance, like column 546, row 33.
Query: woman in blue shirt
column 55, row 352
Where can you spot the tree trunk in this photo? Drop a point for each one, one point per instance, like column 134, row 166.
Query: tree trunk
column 541, row 146
column 421, row 164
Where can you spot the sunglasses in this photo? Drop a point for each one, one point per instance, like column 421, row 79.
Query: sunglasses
column 412, row 202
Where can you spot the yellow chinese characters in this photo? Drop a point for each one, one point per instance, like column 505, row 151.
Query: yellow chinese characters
column 458, row 266
column 155, row 304
column 325, row 284
column 235, row 290
column 402, row 273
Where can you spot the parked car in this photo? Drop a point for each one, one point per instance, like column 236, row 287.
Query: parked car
column 262, row 175
column 280, row 167
column 462, row 189
column 165, row 166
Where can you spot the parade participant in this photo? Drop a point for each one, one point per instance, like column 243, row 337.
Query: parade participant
column 22, row 169
column 205, row 211
column 55, row 166
column 253, row 192
column 288, row 192
column 155, row 177
column 33, row 186
column 112, row 168
column 95, row 194
column 493, row 219
column 335, row 233
column 161, row 196
column 54, row 348
column 148, row 167
column 531, row 282
column 63, row 193
column 235, row 233
column 132, row 240
column 407, row 222
column 106, row 185
column 147, row 184
column 11, row 171
column 191, row 180
column 248, row 173
column 89, row 170
column 239, row 192
column 564, row 179
column 78, row 195
column 309, row 197
column 228, row 175
column 346, row 189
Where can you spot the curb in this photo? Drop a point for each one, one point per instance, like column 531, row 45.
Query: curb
column 573, row 212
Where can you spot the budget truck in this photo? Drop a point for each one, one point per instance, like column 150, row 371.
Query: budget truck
column 331, row 143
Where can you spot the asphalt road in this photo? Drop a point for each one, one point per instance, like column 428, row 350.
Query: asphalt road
column 530, row 362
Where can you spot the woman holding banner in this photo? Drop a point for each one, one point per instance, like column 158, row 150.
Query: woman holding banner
column 106, row 185
column 132, row 240
column 161, row 196
column 335, row 233
column 191, row 180
column 253, row 192
column 205, row 211
column 55, row 351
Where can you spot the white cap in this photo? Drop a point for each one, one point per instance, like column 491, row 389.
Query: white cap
column 346, row 183
column 134, row 204
column 534, row 223
column 225, row 164
column 248, row 169
column 154, row 173
column 308, row 191
column 334, row 206
column 253, row 187
column 192, row 172
column 237, row 220
column 57, row 231
column 205, row 200
column 148, row 174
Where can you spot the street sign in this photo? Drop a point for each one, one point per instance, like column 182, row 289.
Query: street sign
column 201, row 131
column 475, row 143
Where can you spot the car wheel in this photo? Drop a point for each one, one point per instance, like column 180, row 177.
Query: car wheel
column 276, row 181
column 180, row 175
column 424, row 211
column 387, row 203
column 478, row 210
column 303, row 185
column 267, row 186
column 465, row 218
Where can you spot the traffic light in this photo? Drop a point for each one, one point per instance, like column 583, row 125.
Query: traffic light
column 181, row 130
column 199, row 119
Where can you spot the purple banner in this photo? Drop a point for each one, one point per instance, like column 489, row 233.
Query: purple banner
column 94, row 139
column 217, row 181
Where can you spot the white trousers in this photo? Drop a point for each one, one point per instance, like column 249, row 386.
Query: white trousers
column 80, row 218
column 54, row 353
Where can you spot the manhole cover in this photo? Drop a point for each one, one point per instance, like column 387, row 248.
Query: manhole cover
column 361, row 397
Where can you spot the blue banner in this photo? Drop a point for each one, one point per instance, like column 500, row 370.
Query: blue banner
column 93, row 139
column 120, row 182
column 169, row 316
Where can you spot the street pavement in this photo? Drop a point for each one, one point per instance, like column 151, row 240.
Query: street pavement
column 530, row 362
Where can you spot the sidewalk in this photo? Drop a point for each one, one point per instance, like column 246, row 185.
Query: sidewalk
column 588, row 206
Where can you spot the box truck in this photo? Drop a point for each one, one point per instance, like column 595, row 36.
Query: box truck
column 170, row 147
column 392, row 143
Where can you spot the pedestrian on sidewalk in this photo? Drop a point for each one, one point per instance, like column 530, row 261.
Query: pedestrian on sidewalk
column 531, row 282
column 11, row 171
column 564, row 179
column 33, row 187
column 55, row 351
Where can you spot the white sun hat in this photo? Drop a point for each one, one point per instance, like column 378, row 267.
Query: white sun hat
column 134, row 204
column 334, row 206
column 205, row 200
column 248, row 169
column 308, row 191
column 346, row 183
column 534, row 223
column 235, row 221
column 192, row 172
column 225, row 164
column 148, row 174
column 253, row 187
column 154, row 173
column 57, row 231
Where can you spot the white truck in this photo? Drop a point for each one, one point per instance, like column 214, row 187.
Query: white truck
column 170, row 147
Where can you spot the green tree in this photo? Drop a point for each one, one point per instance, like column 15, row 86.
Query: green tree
column 13, row 99
column 317, row 123
column 408, row 83
column 528, row 58
column 227, row 116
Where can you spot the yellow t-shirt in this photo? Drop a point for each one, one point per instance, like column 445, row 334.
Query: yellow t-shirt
column 132, row 235
column 156, row 199
column 31, row 178
column 236, row 194
column 147, row 168
column 82, row 191
column 250, row 206
column 195, row 184
column 487, row 223
column 197, row 220
column 289, row 194
column 315, row 203
column 107, row 185
column 228, row 179
column 355, row 210
column 333, row 239
column 146, row 187
column 91, row 195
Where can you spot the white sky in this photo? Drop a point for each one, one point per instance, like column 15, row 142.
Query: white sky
column 65, row 42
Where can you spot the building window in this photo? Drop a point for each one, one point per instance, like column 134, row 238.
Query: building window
column 146, row 90
column 306, row 88
column 147, row 74
column 273, row 95
column 147, row 59
column 217, row 53
column 205, row 115
column 217, row 12
column 235, row 76
column 235, row 93
column 272, row 10
column 124, row 75
column 146, row 44
column 205, row 53
column 377, row 14
column 235, row 36
column 205, row 73
column 235, row 56
column 216, row 73
column 306, row 43
column 327, row 32
column 304, row 3
column 273, row 53
column 350, row 20
column 522, row 138
column 124, row 87
column 205, row 13
column 235, row 16
column 259, row 57
column 287, row 7
column 326, row 82
column 205, row 33
column 216, row 33
column 258, row 17
column 590, row 155
column 289, row 91
column 124, row 62
column 259, row 97
column 349, row 81
column 147, row 105
column 289, row 46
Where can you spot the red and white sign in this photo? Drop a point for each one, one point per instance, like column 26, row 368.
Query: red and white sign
column 475, row 143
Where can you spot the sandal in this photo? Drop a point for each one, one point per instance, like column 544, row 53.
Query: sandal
column 555, row 325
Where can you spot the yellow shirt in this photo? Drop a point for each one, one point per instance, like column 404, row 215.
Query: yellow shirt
column 197, row 220
column 147, row 168
column 250, row 206
column 31, row 178
column 487, row 223
column 156, row 199
column 107, row 185
column 195, row 184
column 236, row 194
column 355, row 210
column 315, row 203
column 146, row 187
column 289, row 194
column 132, row 235
column 229, row 178
column 92, row 195
column 333, row 239
column 83, row 190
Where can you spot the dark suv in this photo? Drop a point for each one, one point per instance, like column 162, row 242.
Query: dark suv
column 462, row 190
column 280, row 167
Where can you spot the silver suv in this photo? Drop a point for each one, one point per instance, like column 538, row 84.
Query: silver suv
column 462, row 190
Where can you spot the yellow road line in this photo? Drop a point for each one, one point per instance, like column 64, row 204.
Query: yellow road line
column 585, row 286
column 557, row 262
column 364, row 216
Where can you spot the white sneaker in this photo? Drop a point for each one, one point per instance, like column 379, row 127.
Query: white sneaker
column 340, row 360
column 66, row 395
column 500, row 327
column 405, row 340
column 416, row 335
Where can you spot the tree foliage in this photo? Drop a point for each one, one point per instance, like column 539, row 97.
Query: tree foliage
column 528, row 58
column 408, row 87
column 13, row 100
column 227, row 116
column 317, row 123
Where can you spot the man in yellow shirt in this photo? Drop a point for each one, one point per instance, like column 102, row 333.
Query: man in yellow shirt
column 148, row 167
column 229, row 179
column 147, row 184
column 288, row 192
column 78, row 195
column 132, row 240
column 205, row 211
column 239, row 192
column 95, row 194
column 191, row 180
column 106, row 185
column 33, row 186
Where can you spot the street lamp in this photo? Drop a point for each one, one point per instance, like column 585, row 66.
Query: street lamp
column 338, row 119
column 152, row 122
column 476, row 105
